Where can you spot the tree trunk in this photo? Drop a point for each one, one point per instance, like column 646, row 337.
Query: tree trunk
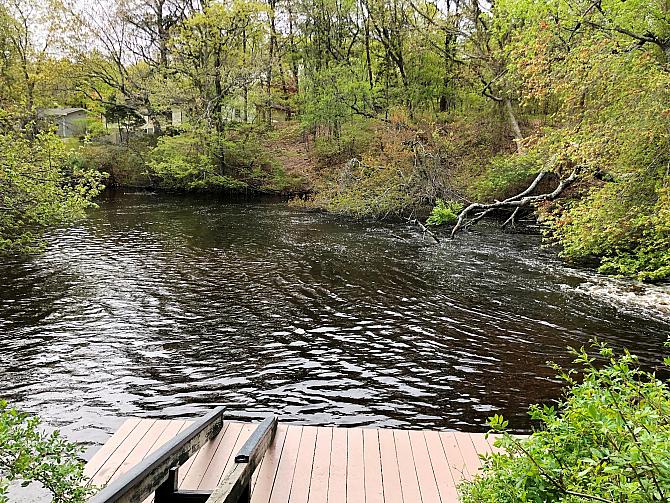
column 521, row 200
column 245, row 87
column 513, row 123
column 273, row 41
column 367, row 52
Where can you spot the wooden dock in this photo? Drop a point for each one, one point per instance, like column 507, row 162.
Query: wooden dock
column 307, row 464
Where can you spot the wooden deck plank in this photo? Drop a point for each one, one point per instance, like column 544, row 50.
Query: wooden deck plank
column 374, row 487
column 121, row 453
column 213, row 467
column 424, row 468
column 278, row 441
column 221, row 468
column 318, row 489
column 457, row 464
column 307, row 464
column 186, row 467
column 100, row 458
column 185, row 481
column 141, row 449
column 468, row 451
column 390, row 471
column 480, row 443
column 337, row 477
column 441, row 467
column 170, row 432
column 482, row 447
column 192, row 473
column 281, row 489
column 407, row 467
column 266, row 472
column 355, row 465
column 303, row 466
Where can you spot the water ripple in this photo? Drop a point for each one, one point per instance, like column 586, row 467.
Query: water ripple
column 162, row 306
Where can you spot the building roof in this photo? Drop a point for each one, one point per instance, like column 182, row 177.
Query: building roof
column 59, row 112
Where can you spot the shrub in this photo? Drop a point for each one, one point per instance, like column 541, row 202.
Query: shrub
column 42, row 184
column 378, row 186
column 217, row 162
column 506, row 175
column 191, row 162
column 444, row 213
column 29, row 455
column 625, row 224
column 355, row 139
column 608, row 440
column 125, row 164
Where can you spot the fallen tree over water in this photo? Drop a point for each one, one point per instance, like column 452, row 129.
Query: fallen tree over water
column 476, row 211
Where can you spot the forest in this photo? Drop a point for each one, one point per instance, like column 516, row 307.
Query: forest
column 372, row 108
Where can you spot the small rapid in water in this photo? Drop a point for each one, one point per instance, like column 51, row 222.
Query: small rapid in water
column 161, row 306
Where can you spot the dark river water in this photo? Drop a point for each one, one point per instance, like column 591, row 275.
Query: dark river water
column 161, row 306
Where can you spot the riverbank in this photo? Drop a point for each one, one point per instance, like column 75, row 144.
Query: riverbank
column 245, row 159
column 400, row 169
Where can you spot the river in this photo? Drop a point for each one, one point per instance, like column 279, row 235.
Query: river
column 161, row 306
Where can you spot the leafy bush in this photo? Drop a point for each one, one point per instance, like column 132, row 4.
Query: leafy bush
column 625, row 224
column 380, row 185
column 42, row 184
column 375, row 191
column 506, row 175
column 191, row 162
column 29, row 455
column 608, row 440
column 214, row 162
column 125, row 164
column 444, row 213
column 612, row 122
column 354, row 140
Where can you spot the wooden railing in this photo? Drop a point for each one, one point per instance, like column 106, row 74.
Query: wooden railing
column 158, row 473
column 235, row 487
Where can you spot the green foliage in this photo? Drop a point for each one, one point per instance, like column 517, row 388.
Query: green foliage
column 383, row 183
column 215, row 51
column 506, row 175
column 29, row 455
column 444, row 213
column 328, row 96
column 608, row 101
column 354, row 139
column 367, row 190
column 186, row 162
column 42, row 184
column 122, row 115
column 620, row 138
column 216, row 162
column 608, row 440
column 625, row 224
column 125, row 164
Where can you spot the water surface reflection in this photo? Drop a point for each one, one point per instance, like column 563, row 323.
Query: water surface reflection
column 162, row 306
